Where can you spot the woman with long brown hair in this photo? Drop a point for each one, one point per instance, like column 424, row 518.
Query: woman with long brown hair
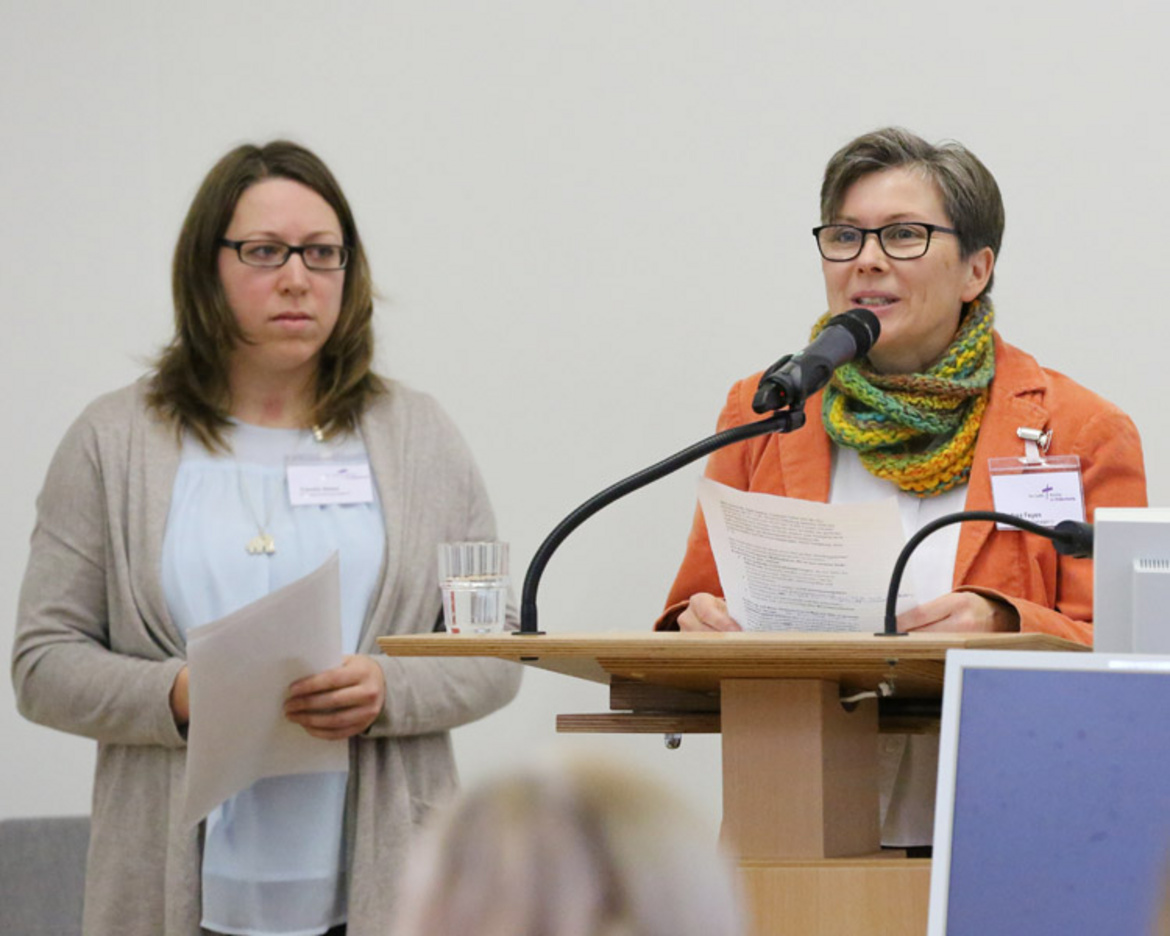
column 168, row 506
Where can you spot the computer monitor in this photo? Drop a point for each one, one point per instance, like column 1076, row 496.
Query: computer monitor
column 1053, row 807
column 1131, row 580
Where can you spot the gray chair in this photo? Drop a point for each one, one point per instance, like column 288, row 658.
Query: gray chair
column 42, row 875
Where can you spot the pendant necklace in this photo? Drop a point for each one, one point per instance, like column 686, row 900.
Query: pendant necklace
column 262, row 544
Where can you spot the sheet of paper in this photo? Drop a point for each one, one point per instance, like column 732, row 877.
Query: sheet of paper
column 240, row 667
column 788, row 564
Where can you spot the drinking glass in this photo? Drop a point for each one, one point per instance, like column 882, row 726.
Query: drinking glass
column 474, row 581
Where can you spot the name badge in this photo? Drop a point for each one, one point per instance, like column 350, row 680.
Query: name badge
column 1044, row 492
column 319, row 481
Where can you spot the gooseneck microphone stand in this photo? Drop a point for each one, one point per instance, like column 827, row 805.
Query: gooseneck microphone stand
column 782, row 390
column 1070, row 537
column 785, row 421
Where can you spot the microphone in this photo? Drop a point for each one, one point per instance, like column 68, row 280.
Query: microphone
column 1069, row 538
column 794, row 378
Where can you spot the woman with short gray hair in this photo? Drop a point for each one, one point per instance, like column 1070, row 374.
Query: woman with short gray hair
column 911, row 231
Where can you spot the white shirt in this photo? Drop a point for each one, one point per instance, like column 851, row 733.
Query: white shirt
column 907, row 764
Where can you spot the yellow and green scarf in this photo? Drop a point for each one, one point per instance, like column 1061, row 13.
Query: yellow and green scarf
column 917, row 430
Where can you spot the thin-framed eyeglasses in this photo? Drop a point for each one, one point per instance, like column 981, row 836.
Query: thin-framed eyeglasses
column 902, row 240
column 272, row 254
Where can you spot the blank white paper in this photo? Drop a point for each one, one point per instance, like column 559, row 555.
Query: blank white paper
column 240, row 669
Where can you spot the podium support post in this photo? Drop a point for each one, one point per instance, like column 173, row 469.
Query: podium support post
column 799, row 771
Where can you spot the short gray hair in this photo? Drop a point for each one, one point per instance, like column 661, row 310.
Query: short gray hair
column 969, row 192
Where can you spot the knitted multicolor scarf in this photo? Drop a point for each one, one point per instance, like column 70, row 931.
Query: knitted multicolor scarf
column 917, row 430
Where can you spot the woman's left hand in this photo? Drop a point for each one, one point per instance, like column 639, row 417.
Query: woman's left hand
column 961, row 612
column 338, row 703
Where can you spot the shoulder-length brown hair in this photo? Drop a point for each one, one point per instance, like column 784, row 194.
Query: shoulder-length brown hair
column 190, row 383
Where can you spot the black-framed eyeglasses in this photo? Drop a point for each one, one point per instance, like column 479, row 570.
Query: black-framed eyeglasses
column 902, row 240
column 272, row 254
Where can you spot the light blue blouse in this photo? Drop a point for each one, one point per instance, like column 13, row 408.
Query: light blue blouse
column 274, row 855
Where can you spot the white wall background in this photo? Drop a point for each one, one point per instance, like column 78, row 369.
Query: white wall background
column 586, row 220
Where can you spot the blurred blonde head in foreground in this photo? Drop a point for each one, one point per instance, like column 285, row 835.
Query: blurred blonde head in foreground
column 571, row 850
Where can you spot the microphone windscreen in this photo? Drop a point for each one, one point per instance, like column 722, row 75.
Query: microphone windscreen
column 863, row 325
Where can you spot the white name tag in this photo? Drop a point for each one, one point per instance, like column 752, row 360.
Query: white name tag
column 317, row 481
column 1044, row 494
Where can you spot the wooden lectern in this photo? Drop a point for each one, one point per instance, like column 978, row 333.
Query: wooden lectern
column 800, row 791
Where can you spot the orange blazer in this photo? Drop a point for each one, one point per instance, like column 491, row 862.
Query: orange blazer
column 1053, row 594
